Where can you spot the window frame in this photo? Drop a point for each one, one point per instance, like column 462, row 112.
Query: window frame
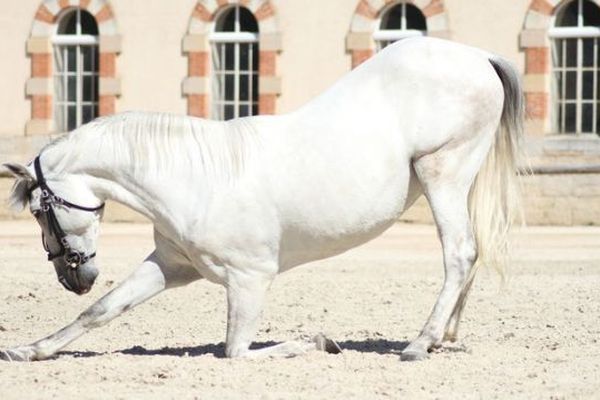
column 60, row 43
column 556, row 34
column 385, row 37
column 218, row 41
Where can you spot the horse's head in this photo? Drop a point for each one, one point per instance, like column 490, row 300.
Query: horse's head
column 69, row 230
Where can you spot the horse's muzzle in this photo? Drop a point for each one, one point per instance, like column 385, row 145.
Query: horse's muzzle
column 77, row 280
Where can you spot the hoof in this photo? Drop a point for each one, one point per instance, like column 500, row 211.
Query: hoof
column 326, row 345
column 412, row 355
column 17, row 354
column 450, row 337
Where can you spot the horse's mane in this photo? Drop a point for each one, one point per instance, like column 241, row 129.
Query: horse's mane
column 160, row 144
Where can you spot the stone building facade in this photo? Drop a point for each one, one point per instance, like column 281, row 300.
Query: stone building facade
column 68, row 61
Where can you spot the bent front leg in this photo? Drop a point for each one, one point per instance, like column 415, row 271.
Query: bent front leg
column 146, row 281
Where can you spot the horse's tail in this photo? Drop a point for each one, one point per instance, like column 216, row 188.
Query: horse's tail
column 494, row 199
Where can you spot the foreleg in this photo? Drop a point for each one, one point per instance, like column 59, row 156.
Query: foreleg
column 146, row 281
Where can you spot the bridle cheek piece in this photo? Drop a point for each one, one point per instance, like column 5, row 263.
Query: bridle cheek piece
column 48, row 200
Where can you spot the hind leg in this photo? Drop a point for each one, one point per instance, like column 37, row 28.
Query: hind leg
column 449, row 206
column 451, row 333
column 446, row 177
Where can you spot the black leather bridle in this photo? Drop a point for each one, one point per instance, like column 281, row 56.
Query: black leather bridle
column 48, row 200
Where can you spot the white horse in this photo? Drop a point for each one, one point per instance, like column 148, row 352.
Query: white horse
column 238, row 202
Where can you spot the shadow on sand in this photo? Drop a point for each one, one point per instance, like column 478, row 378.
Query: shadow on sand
column 379, row 346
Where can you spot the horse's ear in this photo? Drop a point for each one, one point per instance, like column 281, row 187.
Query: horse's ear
column 18, row 197
column 19, row 171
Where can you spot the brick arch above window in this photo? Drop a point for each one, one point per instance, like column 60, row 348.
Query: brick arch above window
column 359, row 41
column 39, row 86
column 197, row 47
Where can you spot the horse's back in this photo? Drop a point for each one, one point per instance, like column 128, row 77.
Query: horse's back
column 442, row 90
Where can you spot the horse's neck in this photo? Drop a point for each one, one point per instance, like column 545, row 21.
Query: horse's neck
column 108, row 180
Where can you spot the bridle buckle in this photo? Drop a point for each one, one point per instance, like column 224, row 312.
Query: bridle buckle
column 74, row 259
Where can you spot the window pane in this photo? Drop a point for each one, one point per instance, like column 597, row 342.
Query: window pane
column 89, row 55
column 218, row 83
column 597, row 118
column 216, row 57
column 229, row 61
column 90, row 88
column 68, row 24
column 87, row 114
column 247, row 21
column 571, row 89
column 588, row 52
column 415, row 18
column 71, row 88
column 244, row 88
column 255, row 57
column 229, row 87
column 71, row 118
column 570, row 117
column 244, row 111
column 557, row 53
column 568, row 17
column 226, row 22
column 591, row 14
column 229, row 112
column 393, row 18
column 571, row 52
column 88, row 24
column 71, row 58
column 59, row 90
column 255, row 87
column 559, row 117
column 587, row 115
column 588, row 85
column 255, row 109
column 244, row 56
column 59, row 59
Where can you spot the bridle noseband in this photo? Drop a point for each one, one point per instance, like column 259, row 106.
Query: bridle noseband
column 48, row 200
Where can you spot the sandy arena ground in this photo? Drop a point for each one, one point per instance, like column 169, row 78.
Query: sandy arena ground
column 539, row 338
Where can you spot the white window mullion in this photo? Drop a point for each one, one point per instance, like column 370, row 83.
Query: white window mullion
column 579, row 85
column 236, row 81
column 78, row 86
column 403, row 19
column 223, row 81
column 250, row 78
column 595, row 88
column 564, row 85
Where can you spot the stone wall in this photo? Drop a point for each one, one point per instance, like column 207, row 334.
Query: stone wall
column 549, row 199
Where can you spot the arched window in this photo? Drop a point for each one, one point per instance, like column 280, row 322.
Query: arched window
column 76, row 69
column 575, row 67
column 235, row 64
column 398, row 22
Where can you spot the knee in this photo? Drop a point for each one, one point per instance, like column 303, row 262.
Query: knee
column 91, row 317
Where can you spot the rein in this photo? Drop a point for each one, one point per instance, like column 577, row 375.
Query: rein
column 48, row 201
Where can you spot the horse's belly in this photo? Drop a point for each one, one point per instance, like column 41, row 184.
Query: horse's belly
column 336, row 223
